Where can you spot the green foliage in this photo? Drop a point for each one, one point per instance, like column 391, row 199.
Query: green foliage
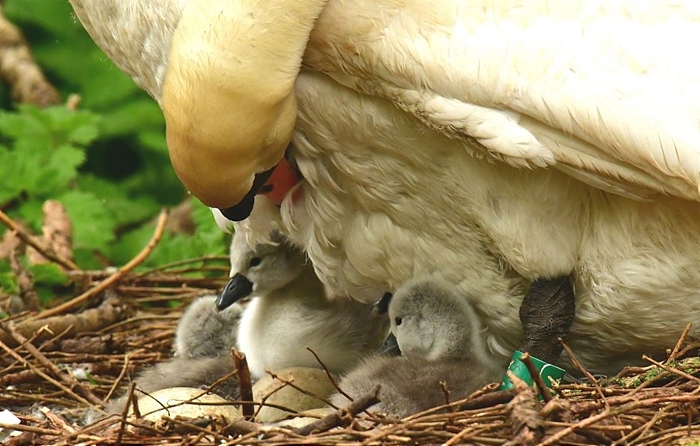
column 107, row 162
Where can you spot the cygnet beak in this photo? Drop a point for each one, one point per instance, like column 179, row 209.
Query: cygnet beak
column 382, row 306
column 236, row 289
column 390, row 346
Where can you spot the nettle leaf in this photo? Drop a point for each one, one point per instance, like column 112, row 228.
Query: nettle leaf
column 49, row 274
column 8, row 281
column 60, row 168
column 21, row 125
column 131, row 243
column 93, row 223
column 124, row 209
column 10, row 177
column 29, row 211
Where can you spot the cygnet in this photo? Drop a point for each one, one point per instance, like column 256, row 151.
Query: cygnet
column 291, row 311
column 440, row 338
column 204, row 331
column 203, row 341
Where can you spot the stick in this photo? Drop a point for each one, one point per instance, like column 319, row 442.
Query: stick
column 133, row 263
column 57, row 233
column 94, row 319
column 241, row 427
column 20, row 71
column 670, row 369
column 39, row 372
column 125, row 412
column 67, row 379
column 32, row 241
column 244, row 383
column 488, row 400
column 588, row 374
column 544, row 390
column 27, row 292
column 680, row 342
column 329, row 375
column 336, row 418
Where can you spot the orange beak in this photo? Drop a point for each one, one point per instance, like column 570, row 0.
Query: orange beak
column 283, row 178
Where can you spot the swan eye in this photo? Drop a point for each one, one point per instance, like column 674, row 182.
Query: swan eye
column 398, row 321
column 255, row 261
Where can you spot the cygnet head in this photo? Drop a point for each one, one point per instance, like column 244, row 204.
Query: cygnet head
column 432, row 321
column 260, row 270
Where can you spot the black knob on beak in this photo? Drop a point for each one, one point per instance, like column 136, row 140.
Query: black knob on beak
column 236, row 289
column 242, row 210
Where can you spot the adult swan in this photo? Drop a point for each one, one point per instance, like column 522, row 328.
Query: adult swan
column 496, row 142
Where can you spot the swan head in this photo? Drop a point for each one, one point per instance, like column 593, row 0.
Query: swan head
column 260, row 270
column 432, row 321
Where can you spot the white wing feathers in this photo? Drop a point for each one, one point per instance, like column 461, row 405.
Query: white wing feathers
column 607, row 91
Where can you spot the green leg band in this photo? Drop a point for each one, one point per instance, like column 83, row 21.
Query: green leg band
column 549, row 373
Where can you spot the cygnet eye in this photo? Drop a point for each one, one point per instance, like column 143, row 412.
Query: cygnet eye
column 398, row 321
column 255, row 261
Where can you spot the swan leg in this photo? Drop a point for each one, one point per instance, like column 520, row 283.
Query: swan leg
column 547, row 313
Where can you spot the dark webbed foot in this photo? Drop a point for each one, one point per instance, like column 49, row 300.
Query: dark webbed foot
column 547, row 313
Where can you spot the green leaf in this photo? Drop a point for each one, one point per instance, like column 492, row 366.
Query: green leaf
column 8, row 281
column 59, row 169
column 49, row 274
column 124, row 209
column 93, row 223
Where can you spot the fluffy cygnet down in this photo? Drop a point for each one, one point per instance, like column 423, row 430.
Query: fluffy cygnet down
column 440, row 338
column 203, row 341
column 291, row 311
column 204, row 331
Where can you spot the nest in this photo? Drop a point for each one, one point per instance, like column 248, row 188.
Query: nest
column 56, row 364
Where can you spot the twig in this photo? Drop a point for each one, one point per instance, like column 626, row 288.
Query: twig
column 133, row 263
column 39, row 372
column 525, row 414
column 57, row 233
column 290, row 383
column 446, row 392
column 109, row 312
column 671, row 369
column 120, row 377
column 336, row 418
column 67, row 379
column 680, row 342
column 488, row 400
column 190, row 425
column 329, row 375
column 27, row 292
column 244, row 383
column 32, row 241
column 543, row 389
column 588, row 374
column 241, row 427
column 20, row 71
column 614, row 412
column 24, row 428
column 125, row 412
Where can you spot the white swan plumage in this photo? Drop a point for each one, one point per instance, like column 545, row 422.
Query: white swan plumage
column 496, row 141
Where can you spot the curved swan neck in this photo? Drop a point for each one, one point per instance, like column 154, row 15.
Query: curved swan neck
column 228, row 95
